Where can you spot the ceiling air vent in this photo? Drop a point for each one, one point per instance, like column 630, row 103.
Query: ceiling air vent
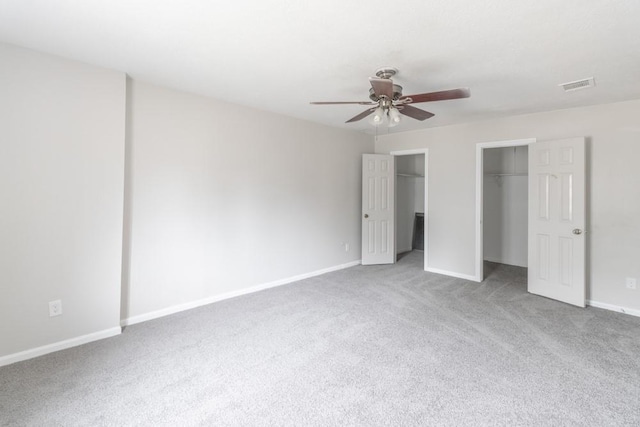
column 578, row 84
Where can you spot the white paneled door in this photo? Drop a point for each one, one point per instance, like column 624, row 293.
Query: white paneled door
column 378, row 209
column 557, row 220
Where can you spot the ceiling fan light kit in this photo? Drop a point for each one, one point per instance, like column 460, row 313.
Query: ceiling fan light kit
column 389, row 117
column 390, row 104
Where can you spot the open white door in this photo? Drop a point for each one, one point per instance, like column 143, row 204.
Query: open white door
column 557, row 220
column 378, row 209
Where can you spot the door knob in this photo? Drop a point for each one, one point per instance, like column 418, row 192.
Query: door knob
column 366, row 215
column 577, row 231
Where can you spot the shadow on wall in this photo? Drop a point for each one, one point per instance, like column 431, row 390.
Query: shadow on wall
column 126, row 225
column 588, row 151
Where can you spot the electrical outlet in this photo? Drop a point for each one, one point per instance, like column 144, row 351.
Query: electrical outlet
column 55, row 308
column 631, row 283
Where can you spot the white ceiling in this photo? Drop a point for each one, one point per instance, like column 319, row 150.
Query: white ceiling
column 278, row 55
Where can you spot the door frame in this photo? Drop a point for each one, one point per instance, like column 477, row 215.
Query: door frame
column 480, row 147
column 424, row 151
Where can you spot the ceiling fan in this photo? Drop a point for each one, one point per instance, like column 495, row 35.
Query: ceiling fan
column 389, row 102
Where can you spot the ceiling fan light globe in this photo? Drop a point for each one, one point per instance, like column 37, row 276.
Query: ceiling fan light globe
column 378, row 117
column 394, row 117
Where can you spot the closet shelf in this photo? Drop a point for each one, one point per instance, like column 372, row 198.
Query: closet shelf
column 410, row 175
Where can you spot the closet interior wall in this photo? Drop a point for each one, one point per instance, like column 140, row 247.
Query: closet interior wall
column 505, row 196
column 409, row 197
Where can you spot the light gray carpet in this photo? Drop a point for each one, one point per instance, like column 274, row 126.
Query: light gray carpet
column 378, row 345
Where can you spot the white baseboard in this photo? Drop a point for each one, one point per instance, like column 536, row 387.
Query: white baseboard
column 107, row 333
column 57, row 346
column 630, row 311
column 84, row 339
column 451, row 273
column 205, row 301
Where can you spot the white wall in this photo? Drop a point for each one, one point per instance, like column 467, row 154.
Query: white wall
column 409, row 198
column 405, row 195
column 505, row 205
column 219, row 198
column 226, row 197
column 613, row 137
column 61, row 181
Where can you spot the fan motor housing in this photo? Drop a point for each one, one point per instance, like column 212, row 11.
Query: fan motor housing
column 397, row 93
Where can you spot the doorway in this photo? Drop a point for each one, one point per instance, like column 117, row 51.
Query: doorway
column 501, row 204
column 556, row 208
column 411, row 204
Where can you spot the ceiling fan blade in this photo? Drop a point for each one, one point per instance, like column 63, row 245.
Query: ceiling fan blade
column 362, row 115
column 438, row 96
column 344, row 102
column 382, row 87
column 415, row 113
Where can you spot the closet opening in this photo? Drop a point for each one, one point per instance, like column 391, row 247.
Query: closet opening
column 411, row 203
column 503, row 204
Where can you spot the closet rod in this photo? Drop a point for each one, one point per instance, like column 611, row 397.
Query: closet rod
column 506, row 174
column 410, row 175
